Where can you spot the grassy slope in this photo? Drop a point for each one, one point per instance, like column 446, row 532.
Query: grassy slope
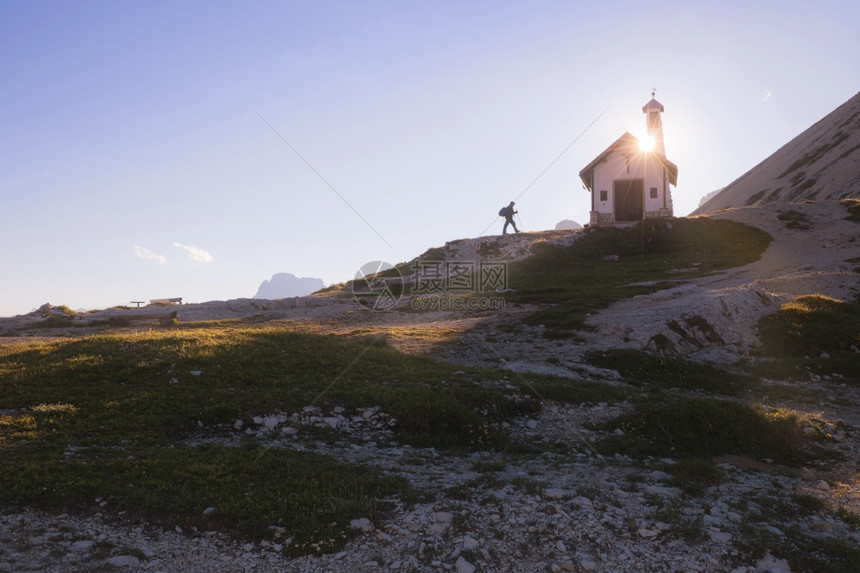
column 107, row 416
column 572, row 282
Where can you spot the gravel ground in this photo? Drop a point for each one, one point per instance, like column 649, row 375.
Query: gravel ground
column 576, row 511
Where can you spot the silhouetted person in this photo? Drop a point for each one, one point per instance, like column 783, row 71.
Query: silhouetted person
column 509, row 219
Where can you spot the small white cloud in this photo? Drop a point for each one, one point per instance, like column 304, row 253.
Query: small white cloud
column 195, row 253
column 148, row 255
column 766, row 95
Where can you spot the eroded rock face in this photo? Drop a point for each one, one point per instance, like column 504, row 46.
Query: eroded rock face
column 687, row 319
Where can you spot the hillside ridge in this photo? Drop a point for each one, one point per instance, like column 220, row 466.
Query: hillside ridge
column 821, row 163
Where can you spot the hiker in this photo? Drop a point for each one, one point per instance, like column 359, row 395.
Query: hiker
column 508, row 213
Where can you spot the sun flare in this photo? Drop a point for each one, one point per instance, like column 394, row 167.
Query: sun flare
column 646, row 143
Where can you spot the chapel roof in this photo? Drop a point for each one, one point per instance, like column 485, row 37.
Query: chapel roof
column 627, row 143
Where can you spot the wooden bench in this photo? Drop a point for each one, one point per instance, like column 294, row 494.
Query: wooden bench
column 163, row 318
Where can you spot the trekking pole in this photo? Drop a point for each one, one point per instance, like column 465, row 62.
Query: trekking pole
column 519, row 221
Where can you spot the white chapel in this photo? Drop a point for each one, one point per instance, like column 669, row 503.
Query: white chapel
column 632, row 179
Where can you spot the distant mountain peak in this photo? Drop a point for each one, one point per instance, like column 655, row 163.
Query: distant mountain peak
column 567, row 224
column 284, row 285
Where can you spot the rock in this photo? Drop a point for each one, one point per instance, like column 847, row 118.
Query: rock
column 588, row 565
column 584, row 502
column 124, row 561
column 443, row 517
column 807, row 474
column 770, row 564
column 147, row 551
column 774, row 530
column 82, row 546
column 721, row 537
column 647, row 533
column 822, row 526
column 822, row 485
column 463, row 566
column 658, row 490
column 362, row 524
column 470, row 543
column 555, row 493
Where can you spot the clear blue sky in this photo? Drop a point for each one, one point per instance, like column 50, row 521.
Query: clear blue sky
column 136, row 161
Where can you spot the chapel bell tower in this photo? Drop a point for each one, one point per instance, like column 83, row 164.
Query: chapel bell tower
column 654, row 123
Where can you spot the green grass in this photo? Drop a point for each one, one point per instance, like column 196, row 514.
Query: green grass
column 112, row 416
column 142, row 385
column 795, row 220
column 572, row 282
column 251, row 489
column 654, row 370
column 562, row 390
column 853, row 207
column 706, row 428
column 692, row 475
column 816, row 333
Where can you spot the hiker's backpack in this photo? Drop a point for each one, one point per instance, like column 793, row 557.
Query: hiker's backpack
column 503, row 211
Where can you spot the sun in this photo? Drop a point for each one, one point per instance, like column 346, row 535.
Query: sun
column 646, row 143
